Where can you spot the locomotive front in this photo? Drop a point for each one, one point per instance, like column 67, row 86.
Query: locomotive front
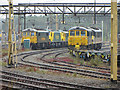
column 78, row 37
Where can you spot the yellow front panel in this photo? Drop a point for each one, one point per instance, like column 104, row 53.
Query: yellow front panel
column 51, row 36
column 33, row 39
column 84, row 40
column 78, row 40
column 74, row 40
column 63, row 36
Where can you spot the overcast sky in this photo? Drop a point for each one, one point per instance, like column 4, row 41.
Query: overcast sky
column 3, row 2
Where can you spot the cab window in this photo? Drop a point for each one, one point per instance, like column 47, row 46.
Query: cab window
column 72, row 33
column 77, row 33
column 88, row 33
column 28, row 33
column 47, row 34
column 32, row 33
column 82, row 33
column 24, row 33
column 39, row 34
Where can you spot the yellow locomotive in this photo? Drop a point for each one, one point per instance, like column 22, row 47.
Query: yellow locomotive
column 38, row 39
column 84, row 38
column 29, row 34
column 58, row 38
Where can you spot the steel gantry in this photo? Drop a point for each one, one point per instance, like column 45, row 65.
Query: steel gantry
column 59, row 8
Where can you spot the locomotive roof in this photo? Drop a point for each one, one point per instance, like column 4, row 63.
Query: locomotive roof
column 95, row 29
column 56, row 31
column 42, row 31
column 86, row 28
column 33, row 30
column 65, row 32
column 80, row 28
column 29, row 29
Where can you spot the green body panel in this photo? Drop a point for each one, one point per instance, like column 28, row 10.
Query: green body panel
column 66, row 38
column 42, row 37
column 26, row 43
column 57, row 37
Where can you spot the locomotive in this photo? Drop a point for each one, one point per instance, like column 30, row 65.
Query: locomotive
column 85, row 38
column 40, row 39
column 58, row 38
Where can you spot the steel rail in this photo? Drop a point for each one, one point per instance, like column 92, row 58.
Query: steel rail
column 70, row 70
column 44, row 82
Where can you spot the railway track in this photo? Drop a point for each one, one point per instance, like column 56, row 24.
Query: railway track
column 29, row 82
column 70, row 64
column 62, row 67
column 66, row 68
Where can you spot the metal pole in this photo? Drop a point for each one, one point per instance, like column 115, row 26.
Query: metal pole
column 6, row 32
column 63, row 18
column 102, row 32
column 9, row 36
column 14, row 43
column 114, row 41
column 56, row 21
column 94, row 12
column 50, row 21
column 24, row 21
column 63, row 14
column 19, row 35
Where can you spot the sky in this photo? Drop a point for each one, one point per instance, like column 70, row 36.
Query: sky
column 5, row 2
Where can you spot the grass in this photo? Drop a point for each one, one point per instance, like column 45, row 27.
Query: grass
column 5, row 51
column 96, row 61
column 2, row 63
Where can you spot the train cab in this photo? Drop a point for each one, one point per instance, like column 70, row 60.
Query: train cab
column 85, row 38
column 29, row 34
column 79, row 36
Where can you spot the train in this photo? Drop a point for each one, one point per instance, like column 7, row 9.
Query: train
column 84, row 38
column 40, row 38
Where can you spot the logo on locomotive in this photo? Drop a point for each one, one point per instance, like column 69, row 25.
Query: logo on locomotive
column 42, row 38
